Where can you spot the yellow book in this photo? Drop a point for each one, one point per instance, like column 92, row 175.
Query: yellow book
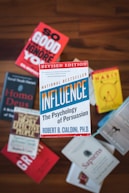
column 107, row 89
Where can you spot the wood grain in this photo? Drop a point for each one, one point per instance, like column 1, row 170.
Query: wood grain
column 99, row 32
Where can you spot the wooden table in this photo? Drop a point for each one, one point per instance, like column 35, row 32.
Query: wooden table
column 99, row 32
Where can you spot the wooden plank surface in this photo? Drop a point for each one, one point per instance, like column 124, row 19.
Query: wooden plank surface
column 99, row 32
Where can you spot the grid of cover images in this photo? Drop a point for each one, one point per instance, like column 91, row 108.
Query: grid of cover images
column 67, row 90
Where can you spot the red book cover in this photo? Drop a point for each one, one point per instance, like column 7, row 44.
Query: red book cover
column 44, row 45
column 36, row 168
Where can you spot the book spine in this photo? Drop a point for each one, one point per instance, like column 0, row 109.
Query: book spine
column 3, row 93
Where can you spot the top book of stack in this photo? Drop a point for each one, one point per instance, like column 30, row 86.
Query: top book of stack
column 64, row 99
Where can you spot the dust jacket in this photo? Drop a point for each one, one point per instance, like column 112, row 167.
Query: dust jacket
column 64, row 99
column 18, row 90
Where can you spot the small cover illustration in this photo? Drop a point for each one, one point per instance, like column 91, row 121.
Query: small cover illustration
column 35, row 167
column 107, row 89
column 78, row 178
column 91, row 156
column 116, row 128
column 45, row 45
column 18, row 90
column 24, row 133
column 64, row 99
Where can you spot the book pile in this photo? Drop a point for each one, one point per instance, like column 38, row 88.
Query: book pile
column 66, row 91
column 91, row 162
column 89, row 166
column 24, row 147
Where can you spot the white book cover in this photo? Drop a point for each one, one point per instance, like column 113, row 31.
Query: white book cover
column 91, row 89
column 116, row 128
column 64, row 99
column 23, row 145
column 78, row 178
column 91, row 156
column 24, row 132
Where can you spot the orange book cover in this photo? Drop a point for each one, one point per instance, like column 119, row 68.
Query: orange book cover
column 107, row 89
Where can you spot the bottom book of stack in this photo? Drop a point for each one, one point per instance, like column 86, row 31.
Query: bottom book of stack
column 77, row 175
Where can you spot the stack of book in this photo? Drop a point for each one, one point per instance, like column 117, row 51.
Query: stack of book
column 91, row 162
column 24, row 147
column 66, row 91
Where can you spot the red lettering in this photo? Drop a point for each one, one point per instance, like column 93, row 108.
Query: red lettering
column 12, row 102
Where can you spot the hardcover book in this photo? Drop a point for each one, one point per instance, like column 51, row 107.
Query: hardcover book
column 44, row 45
column 107, row 89
column 24, row 133
column 36, row 168
column 91, row 156
column 116, row 129
column 18, row 90
column 64, row 99
column 78, row 178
